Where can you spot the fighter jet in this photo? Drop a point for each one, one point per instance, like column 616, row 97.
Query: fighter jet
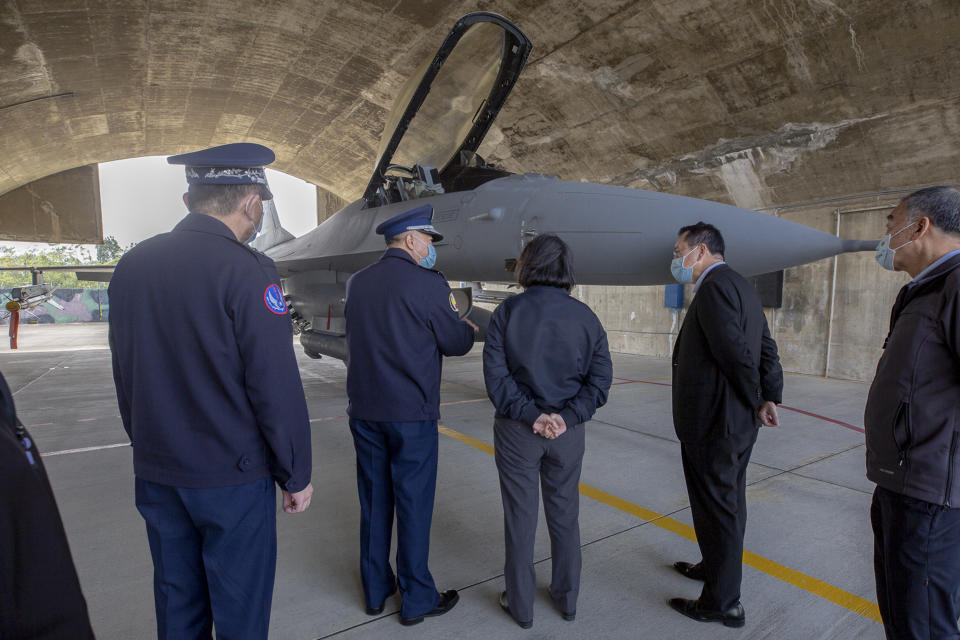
column 428, row 155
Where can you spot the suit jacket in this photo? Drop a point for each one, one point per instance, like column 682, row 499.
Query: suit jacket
column 725, row 364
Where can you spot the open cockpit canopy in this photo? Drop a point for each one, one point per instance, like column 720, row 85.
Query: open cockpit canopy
column 444, row 111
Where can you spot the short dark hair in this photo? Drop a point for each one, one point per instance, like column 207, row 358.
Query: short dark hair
column 706, row 234
column 218, row 199
column 940, row 204
column 397, row 239
column 546, row 261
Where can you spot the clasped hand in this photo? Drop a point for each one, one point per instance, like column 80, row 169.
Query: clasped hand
column 549, row 425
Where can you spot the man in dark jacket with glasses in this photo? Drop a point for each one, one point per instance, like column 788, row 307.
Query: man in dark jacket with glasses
column 912, row 422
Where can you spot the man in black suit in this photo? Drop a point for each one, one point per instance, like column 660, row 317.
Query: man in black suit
column 726, row 380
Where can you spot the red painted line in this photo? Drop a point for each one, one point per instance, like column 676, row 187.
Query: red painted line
column 782, row 406
column 86, row 419
column 814, row 415
column 326, row 419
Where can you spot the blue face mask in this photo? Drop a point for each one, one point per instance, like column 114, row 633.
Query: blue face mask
column 682, row 274
column 431, row 258
column 885, row 254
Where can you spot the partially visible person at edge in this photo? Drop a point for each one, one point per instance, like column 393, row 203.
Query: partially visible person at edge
column 401, row 320
column 211, row 397
column 547, row 369
column 40, row 597
column 727, row 381
column 912, row 422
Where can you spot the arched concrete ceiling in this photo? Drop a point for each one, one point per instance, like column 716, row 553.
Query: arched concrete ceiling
column 758, row 102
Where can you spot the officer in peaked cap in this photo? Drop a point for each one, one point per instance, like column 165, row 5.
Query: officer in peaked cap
column 418, row 219
column 401, row 319
column 211, row 397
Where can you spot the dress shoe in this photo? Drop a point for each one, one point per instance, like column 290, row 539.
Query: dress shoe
column 732, row 617
column 506, row 607
column 375, row 611
column 447, row 601
column 692, row 571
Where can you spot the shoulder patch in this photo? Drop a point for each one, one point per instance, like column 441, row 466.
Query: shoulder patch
column 453, row 303
column 273, row 298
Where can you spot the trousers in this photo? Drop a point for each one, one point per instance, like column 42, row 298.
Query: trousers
column 716, row 475
column 397, row 471
column 916, row 558
column 524, row 461
column 214, row 558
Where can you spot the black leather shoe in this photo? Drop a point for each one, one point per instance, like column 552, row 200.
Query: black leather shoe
column 506, row 607
column 375, row 611
column 732, row 617
column 569, row 616
column 692, row 571
column 447, row 601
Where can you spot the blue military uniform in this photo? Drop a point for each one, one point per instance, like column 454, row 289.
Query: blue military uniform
column 401, row 320
column 210, row 395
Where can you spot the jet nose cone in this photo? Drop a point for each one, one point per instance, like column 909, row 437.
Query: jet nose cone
column 626, row 236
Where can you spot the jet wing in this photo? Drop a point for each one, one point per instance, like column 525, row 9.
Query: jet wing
column 92, row 273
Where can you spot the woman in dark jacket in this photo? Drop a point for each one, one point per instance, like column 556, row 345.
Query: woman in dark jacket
column 547, row 369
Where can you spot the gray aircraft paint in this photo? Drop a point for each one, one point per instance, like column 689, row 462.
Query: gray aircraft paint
column 618, row 235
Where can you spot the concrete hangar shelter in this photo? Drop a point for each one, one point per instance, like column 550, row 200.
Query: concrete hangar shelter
column 822, row 112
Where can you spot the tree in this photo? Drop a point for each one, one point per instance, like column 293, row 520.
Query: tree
column 109, row 251
column 57, row 255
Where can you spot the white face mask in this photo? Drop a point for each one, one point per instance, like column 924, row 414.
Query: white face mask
column 885, row 254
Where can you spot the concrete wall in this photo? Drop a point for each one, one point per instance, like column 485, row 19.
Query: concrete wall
column 328, row 204
column 64, row 207
column 637, row 322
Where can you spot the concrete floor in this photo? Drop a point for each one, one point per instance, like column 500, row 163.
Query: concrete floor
column 809, row 566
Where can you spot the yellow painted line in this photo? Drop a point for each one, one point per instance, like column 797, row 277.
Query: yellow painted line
column 817, row 587
column 464, row 438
